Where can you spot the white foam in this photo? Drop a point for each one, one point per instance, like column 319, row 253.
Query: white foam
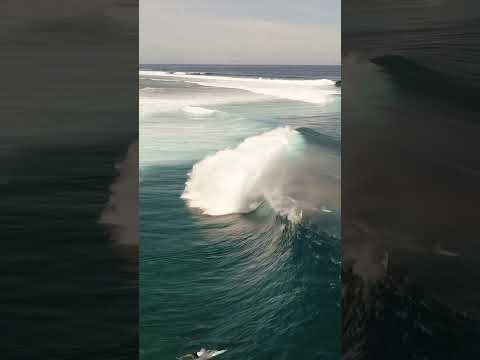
column 154, row 72
column 238, row 180
column 319, row 91
column 197, row 110
column 155, row 100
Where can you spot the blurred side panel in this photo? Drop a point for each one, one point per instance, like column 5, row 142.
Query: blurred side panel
column 411, row 179
column 68, row 179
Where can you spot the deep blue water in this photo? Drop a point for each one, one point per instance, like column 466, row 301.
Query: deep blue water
column 266, row 71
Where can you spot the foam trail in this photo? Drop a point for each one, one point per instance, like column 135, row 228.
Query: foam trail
column 238, row 180
column 318, row 91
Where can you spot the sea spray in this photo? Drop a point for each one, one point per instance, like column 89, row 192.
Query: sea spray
column 238, row 180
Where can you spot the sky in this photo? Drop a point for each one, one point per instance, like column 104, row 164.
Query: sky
column 294, row 32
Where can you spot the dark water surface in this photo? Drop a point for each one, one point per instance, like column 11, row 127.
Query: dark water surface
column 68, row 288
column 265, row 71
column 69, row 112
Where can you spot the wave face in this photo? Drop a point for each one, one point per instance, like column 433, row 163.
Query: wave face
column 239, row 222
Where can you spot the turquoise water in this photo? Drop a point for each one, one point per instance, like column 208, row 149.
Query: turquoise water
column 240, row 212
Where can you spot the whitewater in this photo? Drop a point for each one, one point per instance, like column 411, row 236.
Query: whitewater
column 318, row 91
column 241, row 179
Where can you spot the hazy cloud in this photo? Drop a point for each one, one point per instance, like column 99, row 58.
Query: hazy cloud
column 214, row 31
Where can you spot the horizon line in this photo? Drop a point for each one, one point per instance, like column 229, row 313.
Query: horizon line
column 247, row 64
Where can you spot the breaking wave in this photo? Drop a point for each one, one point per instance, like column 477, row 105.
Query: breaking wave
column 274, row 167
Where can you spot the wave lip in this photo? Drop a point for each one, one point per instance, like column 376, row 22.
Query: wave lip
column 238, row 180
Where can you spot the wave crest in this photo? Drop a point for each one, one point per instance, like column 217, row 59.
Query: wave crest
column 238, row 180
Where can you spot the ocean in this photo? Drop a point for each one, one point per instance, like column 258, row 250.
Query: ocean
column 239, row 208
